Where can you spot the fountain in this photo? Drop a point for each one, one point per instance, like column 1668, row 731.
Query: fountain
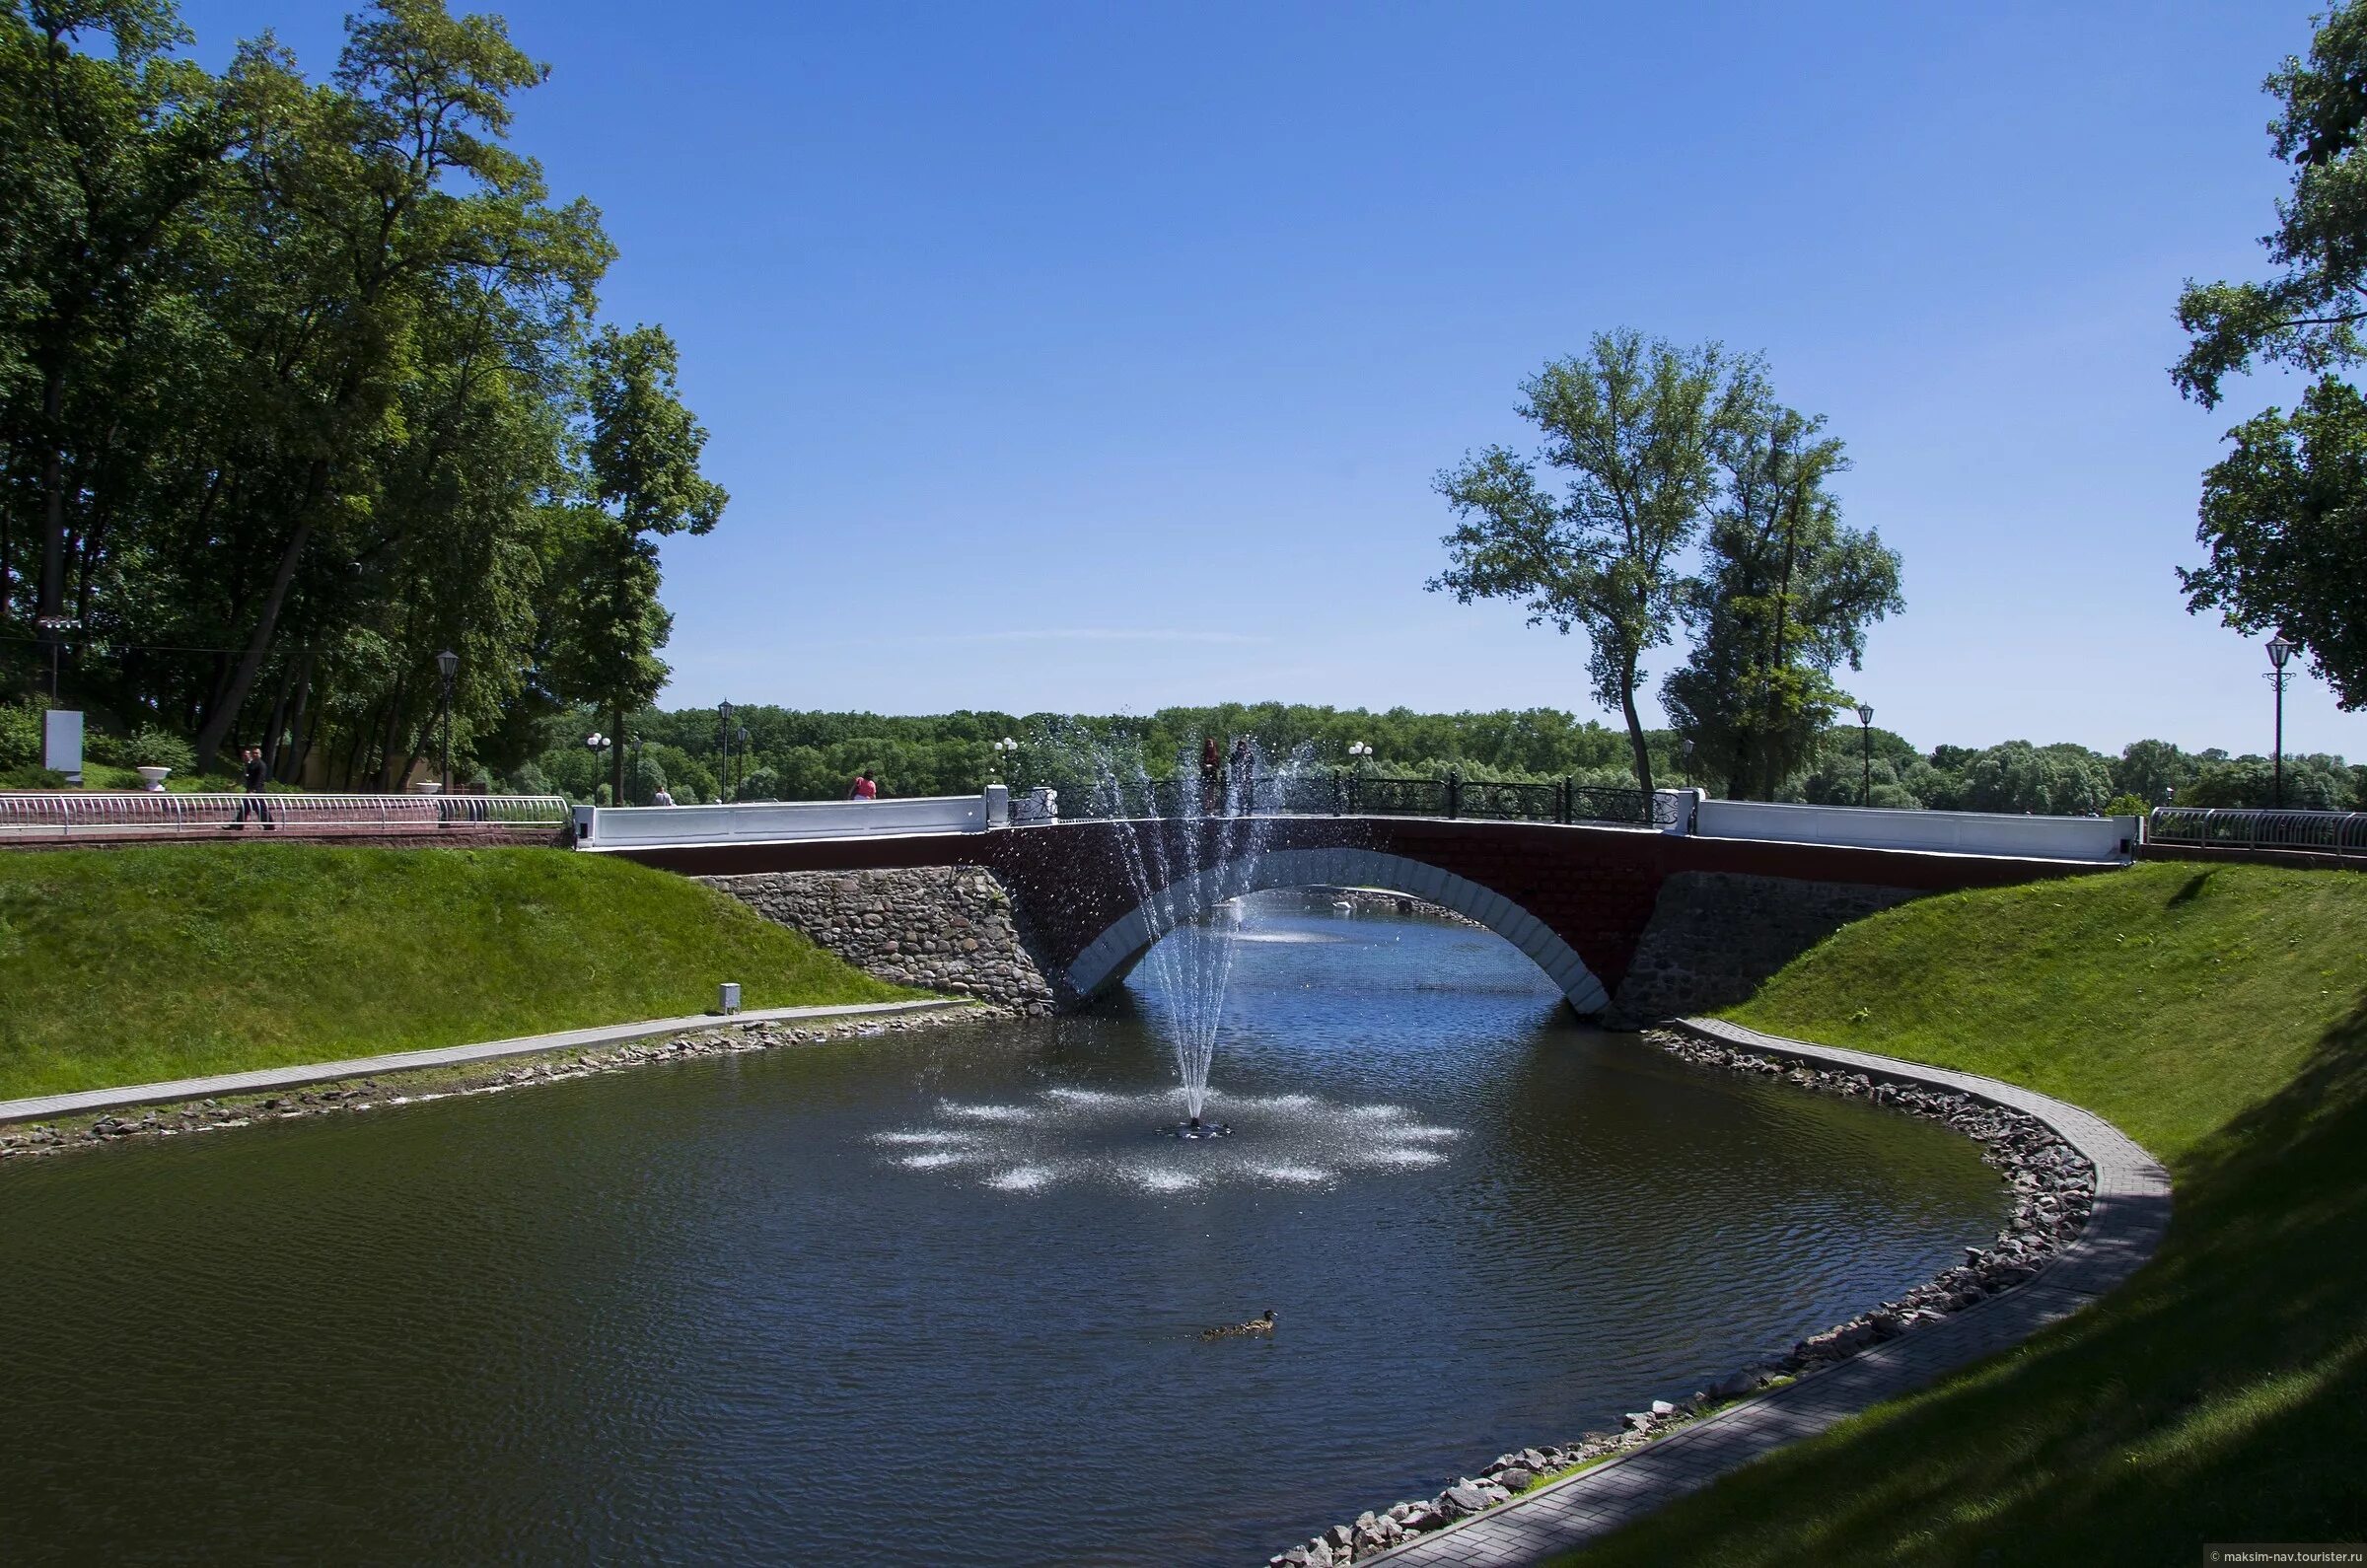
column 1186, row 881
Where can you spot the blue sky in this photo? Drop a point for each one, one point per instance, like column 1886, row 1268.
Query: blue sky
column 1099, row 356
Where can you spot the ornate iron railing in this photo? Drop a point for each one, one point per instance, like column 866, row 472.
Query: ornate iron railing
column 1342, row 794
column 2318, row 832
column 65, row 814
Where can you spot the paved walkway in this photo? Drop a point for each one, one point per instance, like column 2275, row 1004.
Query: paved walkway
column 44, row 1107
column 2132, row 1209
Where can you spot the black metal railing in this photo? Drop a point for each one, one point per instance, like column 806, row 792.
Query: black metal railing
column 1342, row 794
column 2316, row 833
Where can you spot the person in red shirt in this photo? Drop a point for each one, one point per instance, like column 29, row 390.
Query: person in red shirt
column 864, row 790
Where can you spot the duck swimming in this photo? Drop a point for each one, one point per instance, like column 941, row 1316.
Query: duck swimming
column 1256, row 1325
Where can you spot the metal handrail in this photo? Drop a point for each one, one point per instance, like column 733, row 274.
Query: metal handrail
column 1343, row 793
column 2214, row 828
column 25, row 814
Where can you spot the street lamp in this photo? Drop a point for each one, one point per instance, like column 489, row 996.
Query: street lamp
column 723, row 729
column 1685, row 758
column 448, row 663
column 1865, row 730
column 1002, row 750
column 56, row 627
column 2280, row 651
column 1360, row 751
column 596, row 743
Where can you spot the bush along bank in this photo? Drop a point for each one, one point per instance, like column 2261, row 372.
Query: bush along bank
column 2054, row 1189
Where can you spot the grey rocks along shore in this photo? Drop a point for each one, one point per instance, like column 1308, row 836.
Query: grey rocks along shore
column 2053, row 1192
column 487, row 1078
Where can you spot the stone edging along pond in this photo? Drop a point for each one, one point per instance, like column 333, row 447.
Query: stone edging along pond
column 424, row 1080
column 2090, row 1207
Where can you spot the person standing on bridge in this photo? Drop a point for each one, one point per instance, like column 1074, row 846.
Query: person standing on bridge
column 865, row 789
column 1212, row 778
column 1243, row 775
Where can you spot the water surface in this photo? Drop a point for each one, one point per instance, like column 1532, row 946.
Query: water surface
column 936, row 1296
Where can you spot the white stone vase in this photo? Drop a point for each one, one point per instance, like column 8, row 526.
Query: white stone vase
column 151, row 779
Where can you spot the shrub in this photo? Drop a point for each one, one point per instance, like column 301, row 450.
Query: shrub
column 2125, row 805
column 21, row 734
column 150, row 747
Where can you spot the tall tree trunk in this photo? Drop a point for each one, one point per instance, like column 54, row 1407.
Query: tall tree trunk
column 616, row 762
column 1635, row 725
column 53, row 494
column 217, row 725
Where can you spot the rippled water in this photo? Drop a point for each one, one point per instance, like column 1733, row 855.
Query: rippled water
column 936, row 1298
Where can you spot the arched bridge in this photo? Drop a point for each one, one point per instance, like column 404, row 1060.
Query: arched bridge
column 1649, row 921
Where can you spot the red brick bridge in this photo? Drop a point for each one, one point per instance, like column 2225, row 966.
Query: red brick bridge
column 1579, row 900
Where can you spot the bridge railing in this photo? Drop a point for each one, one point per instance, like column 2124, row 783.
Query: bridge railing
column 65, row 815
column 1340, row 794
column 2318, row 832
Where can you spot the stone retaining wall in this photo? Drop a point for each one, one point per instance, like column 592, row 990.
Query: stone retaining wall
column 1715, row 935
column 952, row 929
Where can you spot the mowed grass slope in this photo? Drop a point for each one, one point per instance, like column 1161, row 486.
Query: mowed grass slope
column 169, row 960
column 2219, row 1016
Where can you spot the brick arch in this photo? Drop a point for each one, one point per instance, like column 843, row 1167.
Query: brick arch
column 1106, row 960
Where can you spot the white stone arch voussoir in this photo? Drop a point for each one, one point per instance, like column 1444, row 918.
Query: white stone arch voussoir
column 1108, row 957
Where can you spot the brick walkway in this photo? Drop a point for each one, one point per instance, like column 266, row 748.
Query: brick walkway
column 2132, row 1209
column 44, row 1106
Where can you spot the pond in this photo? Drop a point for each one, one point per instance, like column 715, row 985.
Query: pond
column 938, row 1296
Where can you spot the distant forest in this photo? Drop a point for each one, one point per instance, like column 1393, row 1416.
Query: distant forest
column 792, row 754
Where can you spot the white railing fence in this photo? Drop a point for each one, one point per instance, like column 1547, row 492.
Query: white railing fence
column 68, row 813
column 2322, row 833
column 2088, row 839
column 776, row 822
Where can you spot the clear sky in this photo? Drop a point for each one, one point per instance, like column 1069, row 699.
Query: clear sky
column 1099, row 356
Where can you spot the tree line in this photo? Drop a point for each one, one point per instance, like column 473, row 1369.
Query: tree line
column 792, row 754
column 302, row 384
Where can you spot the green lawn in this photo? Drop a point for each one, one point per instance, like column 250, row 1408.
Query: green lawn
column 2219, row 1016
column 129, row 965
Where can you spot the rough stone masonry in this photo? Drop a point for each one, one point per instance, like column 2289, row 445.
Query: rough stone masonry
column 1715, row 935
column 952, row 929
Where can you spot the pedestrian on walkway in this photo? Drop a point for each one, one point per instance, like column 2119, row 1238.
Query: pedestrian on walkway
column 865, row 789
column 1212, row 778
column 254, row 775
column 664, row 797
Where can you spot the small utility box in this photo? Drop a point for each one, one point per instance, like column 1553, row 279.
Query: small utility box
column 727, row 997
column 62, row 743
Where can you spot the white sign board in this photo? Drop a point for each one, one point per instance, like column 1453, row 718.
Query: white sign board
column 61, row 742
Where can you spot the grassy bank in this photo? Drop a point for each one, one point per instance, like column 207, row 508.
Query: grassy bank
column 2219, row 1016
column 129, row 965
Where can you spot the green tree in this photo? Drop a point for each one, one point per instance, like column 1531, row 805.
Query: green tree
column 643, row 484
column 2283, row 513
column 1632, row 424
column 1785, row 594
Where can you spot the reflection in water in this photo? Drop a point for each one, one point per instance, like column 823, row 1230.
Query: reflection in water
column 935, row 1296
column 1087, row 1135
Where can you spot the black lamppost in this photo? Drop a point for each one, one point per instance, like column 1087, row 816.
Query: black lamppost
column 597, row 743
column 1684, row 759
column 448, row 663
column 723, row 729
column 2280, row 651
column 54, row 629
column 1865, row 730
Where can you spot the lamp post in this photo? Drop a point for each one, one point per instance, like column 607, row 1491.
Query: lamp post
column 723, row 730
column 596, row 743
column 2279, row 649
column 448, row 665
column 1003, row 750
column 1865, row 730
column 53, row 629
column 1684, row 759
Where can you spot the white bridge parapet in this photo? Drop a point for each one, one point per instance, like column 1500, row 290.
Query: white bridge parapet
column 776, row 821
column 2095, row 839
